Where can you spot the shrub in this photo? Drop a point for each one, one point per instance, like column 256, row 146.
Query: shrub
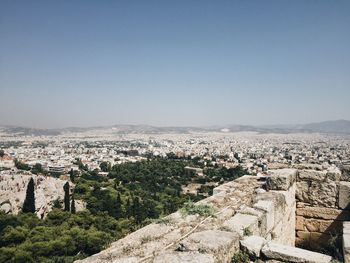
column 191, row 208
column 240, row 257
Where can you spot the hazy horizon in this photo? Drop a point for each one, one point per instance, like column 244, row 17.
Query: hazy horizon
column 182, row 63
column 279, row 125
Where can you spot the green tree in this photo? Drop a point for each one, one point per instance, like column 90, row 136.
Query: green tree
column 137, row 210
column 118, row 207
column 29, row 202
column 13, row 235
column 72, row 207
column 21, row 166
column 37, row 168
column 105, row 166
column 57, row 204
column 66, row 197
column 128, row 208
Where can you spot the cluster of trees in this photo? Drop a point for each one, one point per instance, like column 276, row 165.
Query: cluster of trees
column 21, row 165
column 60, row 237
column 129, row 197
column 135, row 192
column 144, row 190
column 36, row 169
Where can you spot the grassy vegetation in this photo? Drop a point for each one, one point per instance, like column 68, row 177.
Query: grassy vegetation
column 191, row 208
column 240, row 257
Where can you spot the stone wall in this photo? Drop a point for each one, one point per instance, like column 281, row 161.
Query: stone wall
column 322, row 206
column 260, row 207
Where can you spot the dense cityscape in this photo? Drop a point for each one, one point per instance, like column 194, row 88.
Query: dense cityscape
column 137, row 177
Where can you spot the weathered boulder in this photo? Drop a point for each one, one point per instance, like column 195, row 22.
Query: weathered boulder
column 213, row 241
column 6, row 206
column 292, row 254
column 252, row 245
column 242, row 223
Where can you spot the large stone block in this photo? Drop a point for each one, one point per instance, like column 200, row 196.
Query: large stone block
column 344, row 195
column 180, row 257
column 252, row 245
column 221, row 244
column 323, row 226
column 292, row 254
column 318, row 193
column 281, row 179
column 268, row 208
column 279, row 233
column 242, row 223
column 346, row 242
column 312, row 175
column 324, row 213
column 335, row 174
column 299, row 224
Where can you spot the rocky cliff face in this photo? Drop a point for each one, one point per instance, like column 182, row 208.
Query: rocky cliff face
column 47, row 189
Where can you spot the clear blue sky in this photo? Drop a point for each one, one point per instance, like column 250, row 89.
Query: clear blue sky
column 83, row 63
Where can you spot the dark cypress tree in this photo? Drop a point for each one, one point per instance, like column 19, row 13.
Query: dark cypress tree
column 128, row 208
column 29, row 202
column 118, row 207
column 137, row 210
column 66, row 197
column 72, row 207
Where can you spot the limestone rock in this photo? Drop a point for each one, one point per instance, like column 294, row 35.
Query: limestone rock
column 186, row 257
column 344, row 195
column 221, row 244
column 292, row 254
column 324, row 213
column 323, row 226
column 268, row 207
column 281, row 179
column 318, row 193
column 6, row 206
column 47, row 190
column 299, row 224
column 252, row 245
column 240, row 223
column 312, row 175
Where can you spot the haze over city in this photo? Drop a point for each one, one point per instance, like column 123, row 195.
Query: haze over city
column 178, row 63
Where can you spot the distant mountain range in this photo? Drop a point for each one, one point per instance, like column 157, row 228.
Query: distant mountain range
column 329, row 127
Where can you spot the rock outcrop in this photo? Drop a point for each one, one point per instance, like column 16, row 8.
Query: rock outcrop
column 47, row 189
